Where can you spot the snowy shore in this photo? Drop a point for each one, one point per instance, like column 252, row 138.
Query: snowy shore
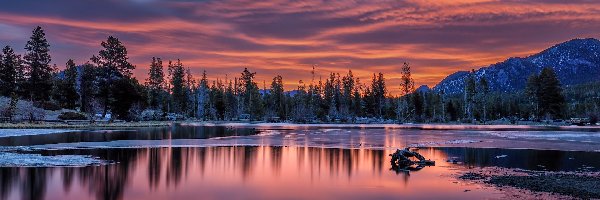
column 22, row 132
column 494, row 127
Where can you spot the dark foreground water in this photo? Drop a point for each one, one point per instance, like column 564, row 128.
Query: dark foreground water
column 214, row 162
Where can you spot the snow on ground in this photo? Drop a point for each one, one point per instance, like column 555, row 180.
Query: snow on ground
column 22, row 132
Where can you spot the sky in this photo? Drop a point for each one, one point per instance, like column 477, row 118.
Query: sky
column 289, row 37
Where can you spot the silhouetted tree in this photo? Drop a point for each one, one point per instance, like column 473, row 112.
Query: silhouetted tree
column 552, row 101
column 177, row 80
column 112, row 64
column 37, row 60
column 155, row 83
column 470, row 91
column 250, row 94
column 483, row 90
column 407, row 86
column 66, row 87
column 88, row 88
column 11, row 73
column 277, row 97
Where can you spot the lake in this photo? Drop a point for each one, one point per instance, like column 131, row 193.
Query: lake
column 199, row 161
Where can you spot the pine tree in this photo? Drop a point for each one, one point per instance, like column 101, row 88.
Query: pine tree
column 88, row 88
column 277, row 97
column 37, row 60
column 66, row 87
column 552, row 101
column 113, row 59
column 126, row 96
column 407, row 86
column 189, row 92
column 203, row 97
column 251, row 98
column 357, row 101
column 347, row 92
column 329, row 96
column 155, row 83
column 230, row 101
column 112, row 65
column 484, row 89
column 378, row 92
column 177, row 75
column 532, row 91
column 470, row 91
column 11, row 73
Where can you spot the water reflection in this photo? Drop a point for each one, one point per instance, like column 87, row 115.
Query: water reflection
column 163, row 169
column 264, row 172
column 529, row 159
column 165, row 133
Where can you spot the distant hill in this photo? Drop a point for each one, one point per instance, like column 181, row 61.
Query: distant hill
column 575, row 62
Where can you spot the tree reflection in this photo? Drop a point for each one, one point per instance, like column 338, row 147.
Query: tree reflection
column 170, row 167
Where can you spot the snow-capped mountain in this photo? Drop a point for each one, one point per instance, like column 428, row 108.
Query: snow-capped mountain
column 575, row 62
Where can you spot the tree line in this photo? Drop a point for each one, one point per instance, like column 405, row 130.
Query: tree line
column 105, row 84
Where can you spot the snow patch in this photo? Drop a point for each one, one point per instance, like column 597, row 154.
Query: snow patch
column 23, row 132
column 8, row 159
column 430, row 144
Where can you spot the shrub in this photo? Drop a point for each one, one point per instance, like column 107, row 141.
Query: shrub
column 150, row 114
column 72, row 116
column 33, row 114
column 593, row 118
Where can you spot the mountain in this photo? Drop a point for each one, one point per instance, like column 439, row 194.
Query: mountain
column 575, row 62
column 423, row 89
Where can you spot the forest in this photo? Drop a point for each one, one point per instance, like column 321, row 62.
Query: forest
column 105, row 88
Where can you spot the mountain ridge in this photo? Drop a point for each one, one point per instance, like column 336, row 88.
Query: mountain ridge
column 576, row 61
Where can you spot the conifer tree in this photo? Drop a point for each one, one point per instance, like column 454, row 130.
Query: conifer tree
column 532, row 92
column 37, row 60
column 348, row 83
column 378, row 92
column 11, row 73
column 203, row 97
column 66, row 87
column 470, row 91
column 277, row 97
column 190, row 88
column 484, row 89
column 155, row 83
column 177, row 75
column 112, row 65
column 251, row 98
column 88, row 88
column 407, row 86
column 552, row 101
column 230, row 101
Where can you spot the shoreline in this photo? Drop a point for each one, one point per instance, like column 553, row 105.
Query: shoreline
column 536, row 184
column 60, row 125
column 259, row 124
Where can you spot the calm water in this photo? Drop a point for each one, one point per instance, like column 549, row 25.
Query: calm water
column 193, row 162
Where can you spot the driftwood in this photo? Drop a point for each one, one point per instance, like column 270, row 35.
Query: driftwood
column 401, row 161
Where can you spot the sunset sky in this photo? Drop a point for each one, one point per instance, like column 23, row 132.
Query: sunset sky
column 288, row 37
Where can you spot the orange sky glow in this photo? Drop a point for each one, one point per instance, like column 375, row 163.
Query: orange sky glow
column 288, row 37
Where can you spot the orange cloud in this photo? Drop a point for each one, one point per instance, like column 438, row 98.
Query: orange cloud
column 288, row 37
